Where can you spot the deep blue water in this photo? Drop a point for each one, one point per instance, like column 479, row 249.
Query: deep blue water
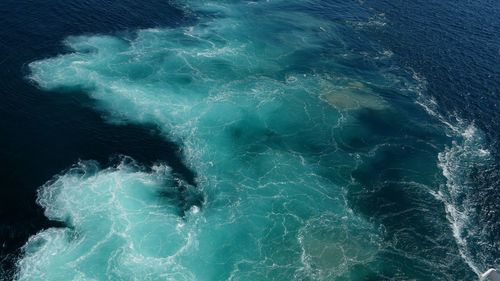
column 315, row 140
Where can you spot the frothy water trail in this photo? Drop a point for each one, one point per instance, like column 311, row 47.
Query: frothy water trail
column 457, row 163
column 466, row 154
column 117, row 224
column 258, row 95
column 254, row 131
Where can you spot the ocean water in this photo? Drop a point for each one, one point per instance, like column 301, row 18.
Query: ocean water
column 250, row 140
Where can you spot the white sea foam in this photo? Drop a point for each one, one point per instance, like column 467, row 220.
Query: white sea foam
column 117, row 227
column 456, row 161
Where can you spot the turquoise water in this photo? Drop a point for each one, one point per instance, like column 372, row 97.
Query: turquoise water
column 316, row 156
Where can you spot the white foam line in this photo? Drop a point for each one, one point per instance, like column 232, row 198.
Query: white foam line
column 467, row 134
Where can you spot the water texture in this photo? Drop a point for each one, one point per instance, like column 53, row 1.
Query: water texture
column 309, row 153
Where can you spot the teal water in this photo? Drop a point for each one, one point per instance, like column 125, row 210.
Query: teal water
column 316, row 156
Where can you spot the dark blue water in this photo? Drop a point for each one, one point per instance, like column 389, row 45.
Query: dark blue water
column 417, row 163
column 456, row 47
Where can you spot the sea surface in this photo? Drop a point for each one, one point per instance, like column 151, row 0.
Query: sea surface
column 249, row 140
